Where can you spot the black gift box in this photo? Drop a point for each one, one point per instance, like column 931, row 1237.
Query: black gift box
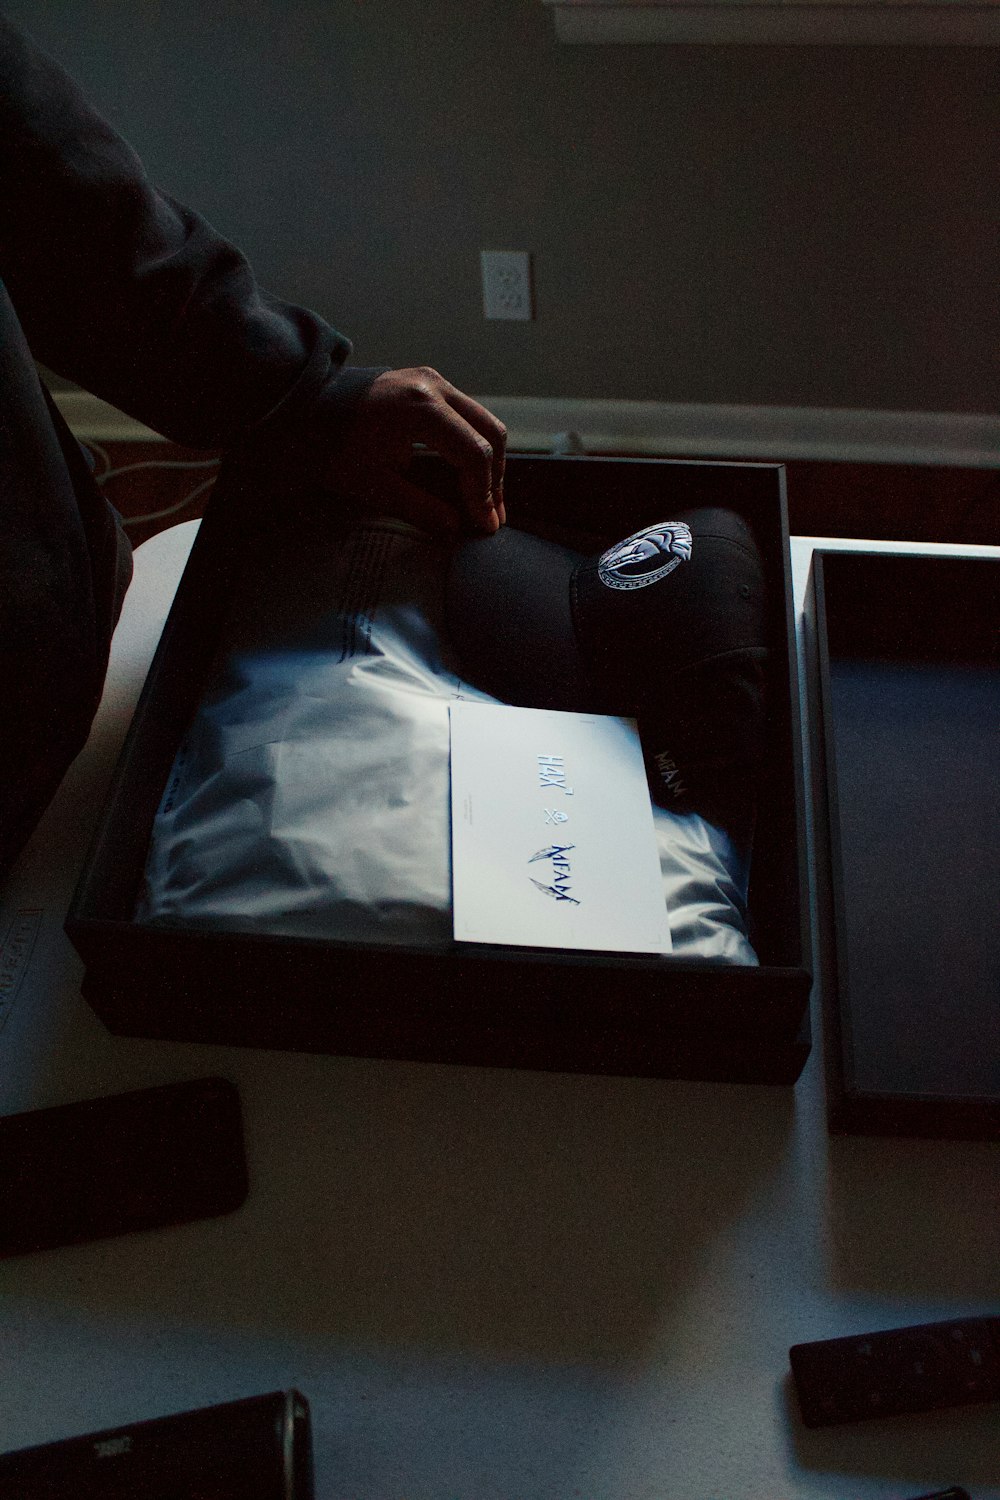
column 590, row 1012
column 907, row 650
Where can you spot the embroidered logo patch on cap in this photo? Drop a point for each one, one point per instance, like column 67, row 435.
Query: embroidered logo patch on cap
column 646, row 556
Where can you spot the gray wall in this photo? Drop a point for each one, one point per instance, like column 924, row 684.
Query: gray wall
column 808, row 226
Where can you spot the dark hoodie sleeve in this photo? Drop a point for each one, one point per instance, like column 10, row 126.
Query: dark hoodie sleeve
column 136, row 298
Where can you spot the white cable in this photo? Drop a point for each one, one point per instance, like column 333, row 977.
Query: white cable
column 169, row 510
column 161, row 463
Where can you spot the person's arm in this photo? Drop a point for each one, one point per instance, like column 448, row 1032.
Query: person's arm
column 127, row 292
column 138, row 299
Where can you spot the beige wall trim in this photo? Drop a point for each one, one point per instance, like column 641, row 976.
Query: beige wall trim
column 761, row 432
column 89, row 417
column 858, row 23
column 658, row 428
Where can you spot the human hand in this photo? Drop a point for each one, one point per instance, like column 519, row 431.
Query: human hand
column 403, row 407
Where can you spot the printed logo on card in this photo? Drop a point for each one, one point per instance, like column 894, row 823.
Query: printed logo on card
column 559, row 869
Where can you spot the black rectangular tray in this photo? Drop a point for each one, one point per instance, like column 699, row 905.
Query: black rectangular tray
column 611, row 1013
column 908, row 819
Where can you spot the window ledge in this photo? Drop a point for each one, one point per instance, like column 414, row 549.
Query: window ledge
column 927, row 23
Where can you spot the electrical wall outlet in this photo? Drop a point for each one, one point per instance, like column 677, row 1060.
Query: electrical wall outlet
column 506, row 284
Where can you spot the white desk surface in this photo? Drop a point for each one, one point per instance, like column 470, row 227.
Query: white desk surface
column 489, row 1285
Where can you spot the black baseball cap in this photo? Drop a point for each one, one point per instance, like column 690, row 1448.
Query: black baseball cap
column 668, row 626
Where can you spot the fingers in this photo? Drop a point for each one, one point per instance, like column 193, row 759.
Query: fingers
column 473, row 440
column 495, row 433
column 421, row 406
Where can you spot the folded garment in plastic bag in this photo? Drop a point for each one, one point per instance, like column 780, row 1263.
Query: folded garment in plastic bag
column 311, row 793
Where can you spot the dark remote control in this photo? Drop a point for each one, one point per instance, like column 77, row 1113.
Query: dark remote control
column 953, row 1492
column 900, row 1370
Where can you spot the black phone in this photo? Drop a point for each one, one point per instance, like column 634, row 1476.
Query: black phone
column 255, row 1449
column 109, row 1166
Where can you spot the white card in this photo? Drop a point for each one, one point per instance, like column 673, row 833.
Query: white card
column 552, row 832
